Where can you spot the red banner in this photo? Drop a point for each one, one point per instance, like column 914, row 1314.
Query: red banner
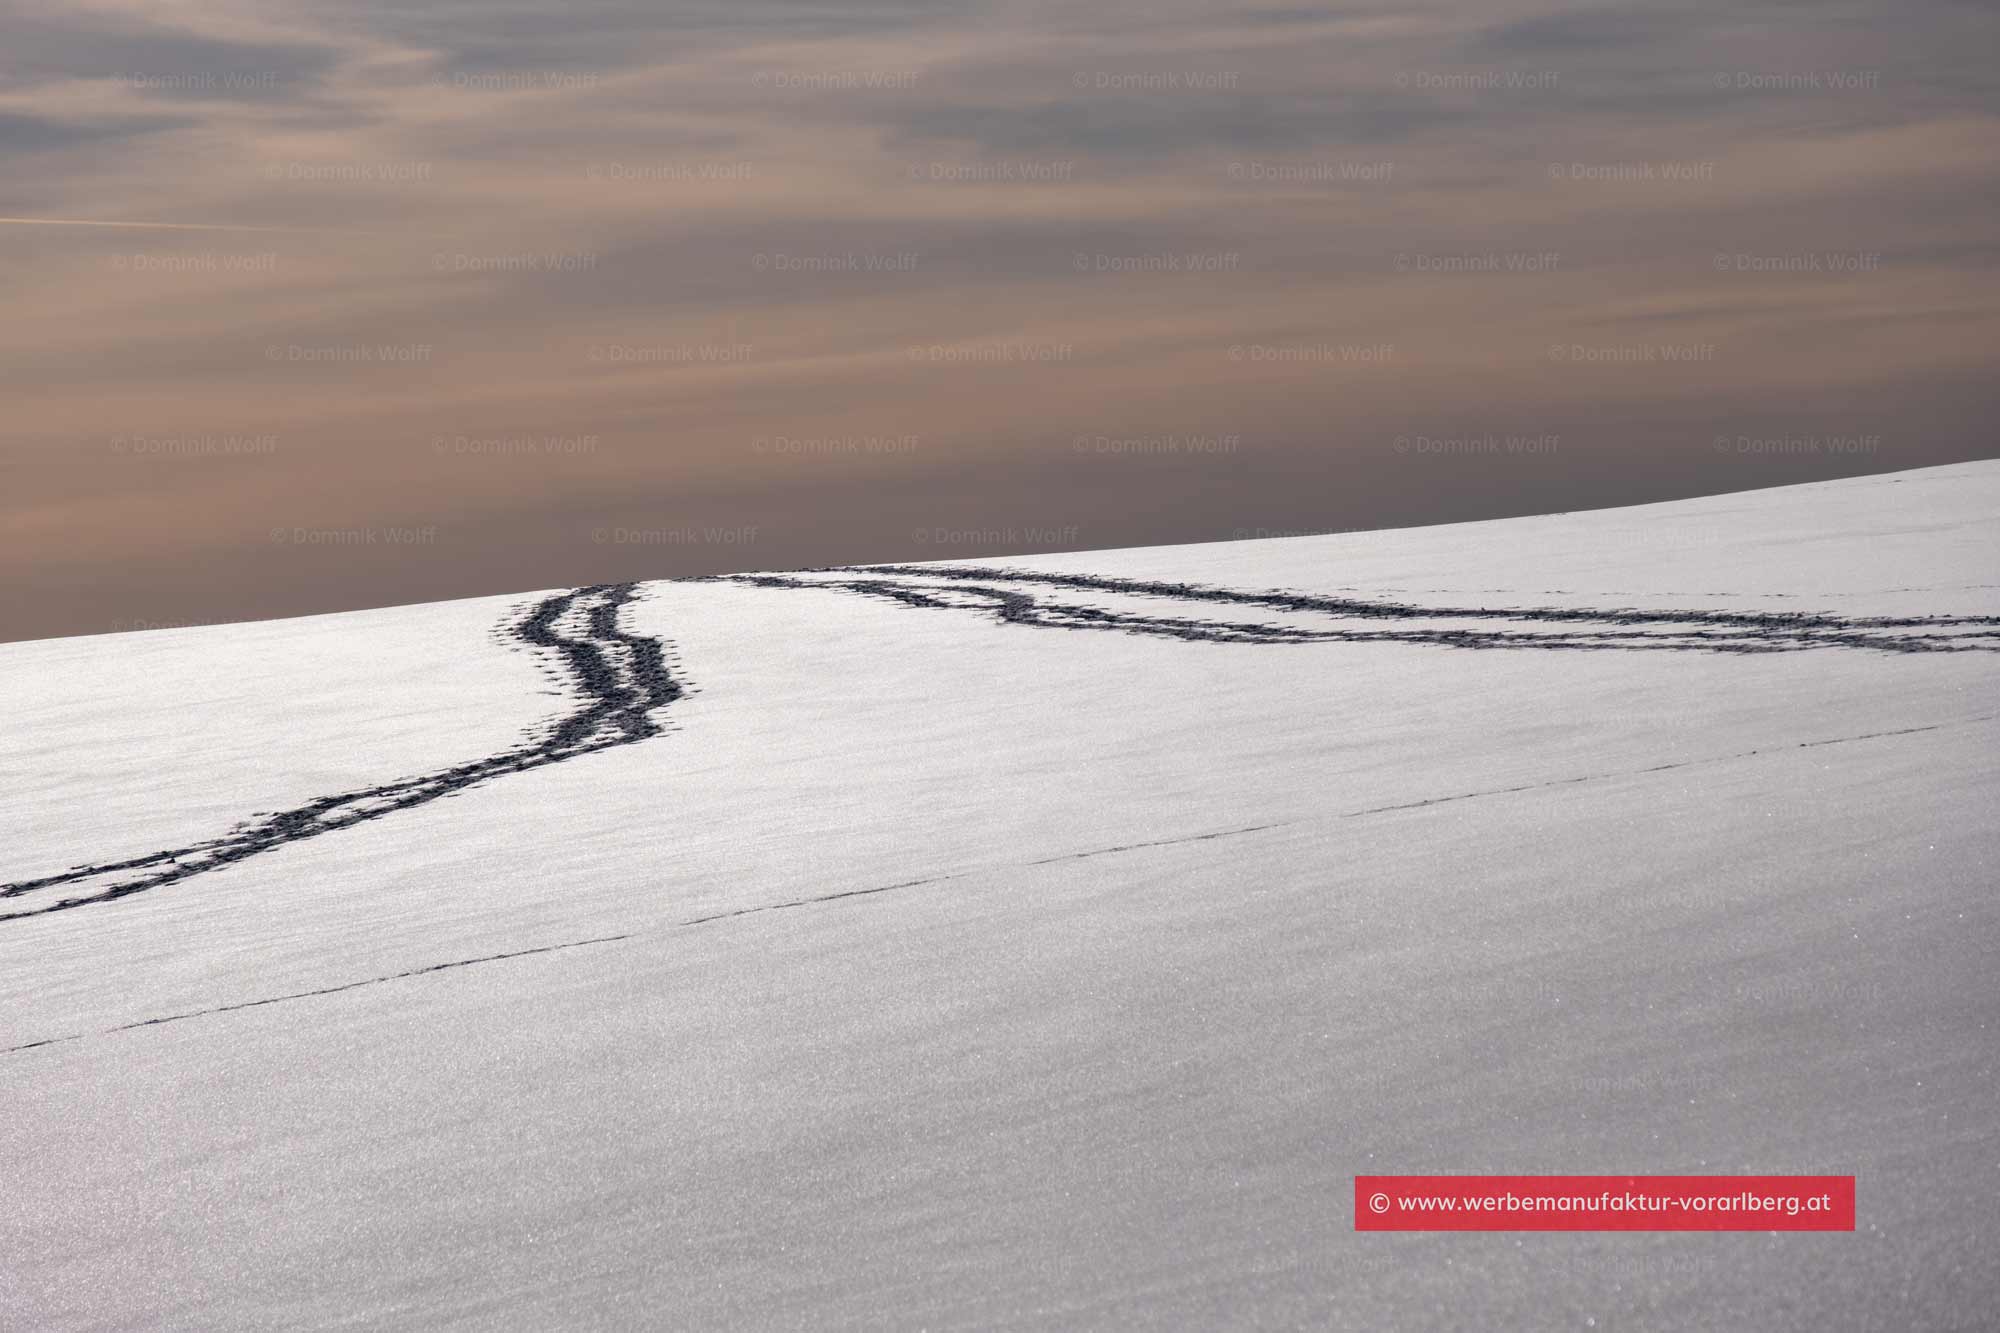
column 1604, row 1203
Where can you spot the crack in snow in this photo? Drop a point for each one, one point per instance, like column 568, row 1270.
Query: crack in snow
column 843, row 894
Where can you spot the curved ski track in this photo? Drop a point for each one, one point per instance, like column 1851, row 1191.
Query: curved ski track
column 623, row 678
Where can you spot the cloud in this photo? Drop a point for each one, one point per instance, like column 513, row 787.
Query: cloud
column 23, row 133
column 1110, row 130
column 45, row 44
column 1584, row 31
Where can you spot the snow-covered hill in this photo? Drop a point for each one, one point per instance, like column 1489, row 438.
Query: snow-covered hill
column 1046, row 942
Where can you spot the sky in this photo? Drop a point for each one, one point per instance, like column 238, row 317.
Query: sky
column 313, row 308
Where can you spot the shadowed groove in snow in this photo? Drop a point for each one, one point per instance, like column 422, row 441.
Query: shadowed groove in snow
column 623, row 679
column 1025, row 597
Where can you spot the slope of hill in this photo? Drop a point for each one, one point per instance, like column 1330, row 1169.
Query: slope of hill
column 1042, row 941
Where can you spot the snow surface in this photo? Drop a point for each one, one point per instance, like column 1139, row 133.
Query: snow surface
column 930, row 970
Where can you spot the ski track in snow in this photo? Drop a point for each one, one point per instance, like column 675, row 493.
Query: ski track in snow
column 971, row 587
column 624, row 679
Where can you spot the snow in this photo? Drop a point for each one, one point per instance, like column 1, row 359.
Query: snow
column 933, row 971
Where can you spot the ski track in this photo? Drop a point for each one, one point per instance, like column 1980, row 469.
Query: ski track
column 960, row 587
column 624, row 678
